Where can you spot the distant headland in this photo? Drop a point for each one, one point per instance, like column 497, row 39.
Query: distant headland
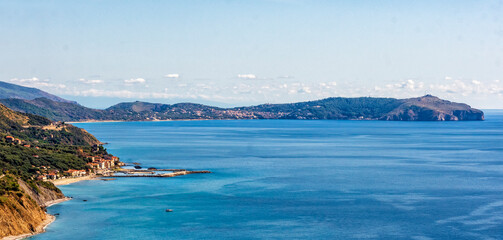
column 425, row 108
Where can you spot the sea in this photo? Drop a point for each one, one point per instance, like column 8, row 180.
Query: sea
column 294, row 179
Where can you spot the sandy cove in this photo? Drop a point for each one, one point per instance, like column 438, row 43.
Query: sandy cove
column 66, row 181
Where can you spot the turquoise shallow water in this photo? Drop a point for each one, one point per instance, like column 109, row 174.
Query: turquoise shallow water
column 278, row 179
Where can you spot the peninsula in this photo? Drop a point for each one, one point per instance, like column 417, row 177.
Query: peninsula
column 34, row 151
column 425, row 108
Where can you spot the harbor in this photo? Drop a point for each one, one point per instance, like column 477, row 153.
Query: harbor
column 150, row 172
column 166, row 175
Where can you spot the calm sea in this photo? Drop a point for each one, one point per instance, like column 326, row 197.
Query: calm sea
column 288, row 179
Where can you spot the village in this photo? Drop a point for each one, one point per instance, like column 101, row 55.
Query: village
column 96, row 164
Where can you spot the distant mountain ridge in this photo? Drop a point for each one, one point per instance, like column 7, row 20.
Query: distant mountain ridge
column 9, row 90
column 426, row 108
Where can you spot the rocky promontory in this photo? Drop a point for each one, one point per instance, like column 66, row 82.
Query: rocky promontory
column 425, row 108
column 430, row 108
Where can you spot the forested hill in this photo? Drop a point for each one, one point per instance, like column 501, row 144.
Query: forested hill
column 28, row 142
column 33, row 128
column 426, row 108
column 31, row 148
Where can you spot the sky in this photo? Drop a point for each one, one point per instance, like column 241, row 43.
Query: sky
column 234, row 53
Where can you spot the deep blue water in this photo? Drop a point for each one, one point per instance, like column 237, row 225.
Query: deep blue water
column 278, row 179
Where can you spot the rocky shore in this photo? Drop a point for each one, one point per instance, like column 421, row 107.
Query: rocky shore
column 24, row 214
column 39, row 229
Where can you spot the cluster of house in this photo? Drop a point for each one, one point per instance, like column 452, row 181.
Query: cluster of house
column 46, row 173
column 11, row 139
column 97, row 164
column 17, row 141
column 106, row 162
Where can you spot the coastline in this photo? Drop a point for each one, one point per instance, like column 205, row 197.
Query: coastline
column 50, row 218
column 156, row 120
column 97, row 121
column 43, row 225
column 54, row 202
column 66, row 181
column 40, row 229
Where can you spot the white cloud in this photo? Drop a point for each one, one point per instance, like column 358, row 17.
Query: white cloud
column 247, row 76
column 135, row 80
column 91, row 81
column 28, row 80
column 304, row 90
column 452, row 89
column 37, row 83
column 286, row 77
column 327, row 84
column 172, row 75
column 250, row 92
column 466, row 88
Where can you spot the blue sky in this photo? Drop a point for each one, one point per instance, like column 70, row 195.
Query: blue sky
column 232, row 53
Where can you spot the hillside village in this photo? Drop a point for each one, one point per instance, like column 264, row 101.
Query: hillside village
column 98, row 163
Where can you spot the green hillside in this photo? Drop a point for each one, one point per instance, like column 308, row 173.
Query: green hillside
column 41, row 142
column 9, row 90
column 426, row 108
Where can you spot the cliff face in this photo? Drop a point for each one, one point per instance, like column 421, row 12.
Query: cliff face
column 22, row 212
column 20, row 215
column 41, row 195
column 430, row 108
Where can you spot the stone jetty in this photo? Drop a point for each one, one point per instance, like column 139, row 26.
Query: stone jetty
column 172, row 174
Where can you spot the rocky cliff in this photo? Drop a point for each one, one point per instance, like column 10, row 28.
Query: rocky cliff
column 431, row 108
column 41, row 195
column 20, row 214
column 23, row 211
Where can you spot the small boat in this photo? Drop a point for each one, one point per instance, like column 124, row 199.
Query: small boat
column 169, row 210
column 84, row 200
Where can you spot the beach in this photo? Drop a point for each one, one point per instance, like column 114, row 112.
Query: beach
column 66, row 181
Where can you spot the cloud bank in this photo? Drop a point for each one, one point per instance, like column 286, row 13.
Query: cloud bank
column 247, row 76
column 486, row 93
column 135, row 80
column 91, row 81
column 172, row 75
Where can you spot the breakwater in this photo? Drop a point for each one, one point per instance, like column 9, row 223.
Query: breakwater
column 173, row 174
